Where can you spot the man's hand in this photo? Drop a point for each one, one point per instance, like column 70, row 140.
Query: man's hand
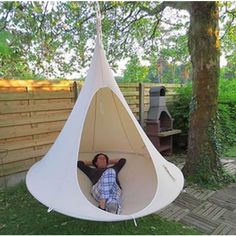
column 113, row 161
column 88, row 163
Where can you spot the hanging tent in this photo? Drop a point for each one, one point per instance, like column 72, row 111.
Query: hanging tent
column 101, row 121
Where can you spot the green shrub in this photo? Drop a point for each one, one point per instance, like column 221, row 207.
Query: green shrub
column 179, row 110
column 227, row 113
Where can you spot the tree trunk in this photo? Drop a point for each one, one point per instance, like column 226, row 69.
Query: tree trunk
column 203, row 163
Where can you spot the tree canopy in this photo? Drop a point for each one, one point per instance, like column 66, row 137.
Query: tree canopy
column 56, row 38
column 135, row 72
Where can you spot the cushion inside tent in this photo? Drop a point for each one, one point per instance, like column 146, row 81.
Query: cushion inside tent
column 108, row 128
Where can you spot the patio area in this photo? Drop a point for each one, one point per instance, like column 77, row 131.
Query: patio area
column 209, row 211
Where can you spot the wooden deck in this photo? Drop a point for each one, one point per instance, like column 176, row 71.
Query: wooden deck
column 211, row 212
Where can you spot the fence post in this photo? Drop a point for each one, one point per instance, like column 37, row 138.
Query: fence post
column 75, row 90
column 141, row 104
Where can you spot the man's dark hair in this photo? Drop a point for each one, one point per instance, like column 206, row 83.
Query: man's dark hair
column 96, row 157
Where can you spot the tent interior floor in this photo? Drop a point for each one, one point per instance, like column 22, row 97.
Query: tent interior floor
column 138, row 181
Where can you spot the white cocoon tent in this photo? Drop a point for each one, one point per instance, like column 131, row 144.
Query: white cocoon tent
column 101, row 121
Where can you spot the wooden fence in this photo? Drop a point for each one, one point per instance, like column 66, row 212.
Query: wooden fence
column 32, row 113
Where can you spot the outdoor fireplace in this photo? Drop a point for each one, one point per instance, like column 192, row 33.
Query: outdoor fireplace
column 159, row 123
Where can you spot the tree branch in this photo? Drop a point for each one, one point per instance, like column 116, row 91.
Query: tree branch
column 233, row 13
column 154, row 29
column 181, row 5
column 5, row 19
column 42, row 20
column 159, row 8
column 130, row 13
column 133, row 21
column 228, row 28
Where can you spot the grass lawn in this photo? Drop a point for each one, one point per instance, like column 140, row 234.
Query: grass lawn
column 231, row 152
column 20, row 213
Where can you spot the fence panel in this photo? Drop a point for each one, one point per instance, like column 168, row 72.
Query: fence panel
column 32, row 114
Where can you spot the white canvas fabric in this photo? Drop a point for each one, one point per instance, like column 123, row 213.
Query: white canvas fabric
column 101, row 121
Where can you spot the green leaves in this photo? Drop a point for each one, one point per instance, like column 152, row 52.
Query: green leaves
column 5, row 38
column 181, row 108
column 135, row 72
column 43, row 34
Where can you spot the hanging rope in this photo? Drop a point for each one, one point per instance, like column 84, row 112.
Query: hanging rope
column 99, row 23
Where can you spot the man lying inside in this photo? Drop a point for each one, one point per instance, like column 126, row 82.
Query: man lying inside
column 106, row 188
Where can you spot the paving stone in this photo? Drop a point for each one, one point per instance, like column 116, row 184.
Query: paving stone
column 173, row 212
column 226, row 199
column 232, row 231
column 229, row 190
column 228, row 218
column 230, row 167
column 222, row 229
column 226, row 161
column 209, row 210
column 187, row 201
column 219, row 214
column 201, row 223
column 201, row 194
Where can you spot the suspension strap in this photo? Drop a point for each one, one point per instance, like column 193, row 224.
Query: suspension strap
column 99, row 23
